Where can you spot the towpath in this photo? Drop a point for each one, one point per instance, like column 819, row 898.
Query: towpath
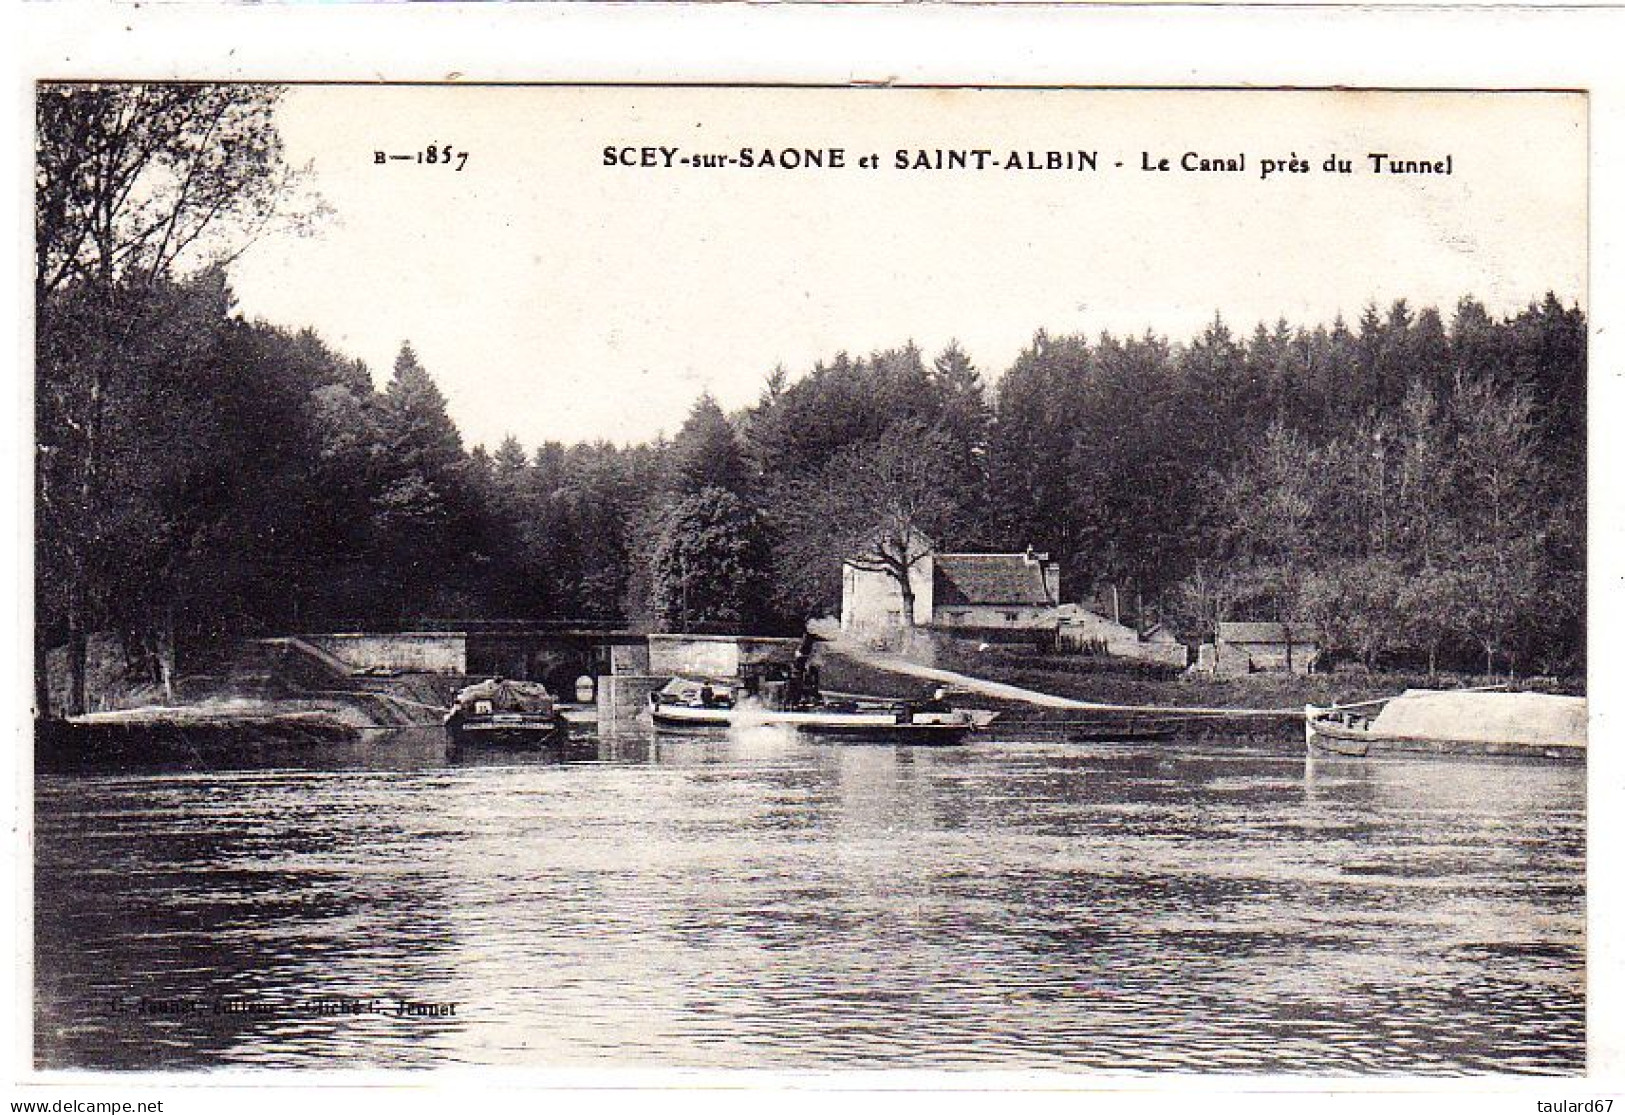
column 836, row 643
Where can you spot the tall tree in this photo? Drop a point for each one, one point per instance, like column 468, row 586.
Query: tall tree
column 965, row 417
column 421, row 511
column 706, row 451
column 510, row 464
column 133, row 182
column 710, row 565
column 1131, row 491
column 134, row 185
column 419, row 434
column 882, row 505
column 1271, row 501
column 1504, row 521
column 1029, row 454
column 1549, row 347
column 1215, row 397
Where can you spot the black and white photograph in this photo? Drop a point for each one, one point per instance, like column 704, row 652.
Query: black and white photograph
column 771, row 578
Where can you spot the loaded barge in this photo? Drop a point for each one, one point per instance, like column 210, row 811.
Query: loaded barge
column 500, row 713
column 1422, row 722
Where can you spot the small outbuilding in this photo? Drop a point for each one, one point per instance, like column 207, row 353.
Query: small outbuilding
column 1251, row 648
column 1081, row 631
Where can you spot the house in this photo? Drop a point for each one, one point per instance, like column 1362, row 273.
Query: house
column 976, row 594
column 1250, row 648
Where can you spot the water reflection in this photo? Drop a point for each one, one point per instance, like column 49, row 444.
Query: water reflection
column 759, row 900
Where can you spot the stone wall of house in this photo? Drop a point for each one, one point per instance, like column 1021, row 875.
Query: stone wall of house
column 872, row 599
column 993, row 616
column 1239, row 659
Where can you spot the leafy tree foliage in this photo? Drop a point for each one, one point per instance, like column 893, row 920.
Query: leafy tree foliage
column 137, row 187
column 710, row 565
column 706, row 452
column 134, row 181
column 1434, row 529
column 882, row 505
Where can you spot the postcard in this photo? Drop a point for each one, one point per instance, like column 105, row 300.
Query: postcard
column 1062, row 581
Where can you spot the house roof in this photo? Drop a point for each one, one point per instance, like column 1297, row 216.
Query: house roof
column 988, row 579
column 1266, row 633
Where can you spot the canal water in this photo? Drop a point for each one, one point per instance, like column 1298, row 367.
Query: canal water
column 765, row 902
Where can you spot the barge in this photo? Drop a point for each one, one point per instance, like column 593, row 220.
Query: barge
column 690, row 703
column 1424, row 722
column 504, row 714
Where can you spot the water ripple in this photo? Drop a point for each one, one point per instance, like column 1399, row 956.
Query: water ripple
column 769, row 903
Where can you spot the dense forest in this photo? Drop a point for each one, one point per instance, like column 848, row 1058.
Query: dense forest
column 1410, row 486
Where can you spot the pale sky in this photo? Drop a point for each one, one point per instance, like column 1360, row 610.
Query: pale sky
column 554, row 297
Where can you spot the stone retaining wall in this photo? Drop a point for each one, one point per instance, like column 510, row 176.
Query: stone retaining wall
column 425, row 652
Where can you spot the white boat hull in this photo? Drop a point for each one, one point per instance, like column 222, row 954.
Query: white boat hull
column 1327, row 736
column 914, row 726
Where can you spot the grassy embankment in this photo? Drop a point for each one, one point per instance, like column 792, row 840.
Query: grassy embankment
column 1120, row 682
column 253, row 698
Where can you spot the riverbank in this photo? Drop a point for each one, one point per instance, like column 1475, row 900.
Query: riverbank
column 263, row 698
column 1115, row 681
column 192, row 735
column 1063, row 692
column 272, row 691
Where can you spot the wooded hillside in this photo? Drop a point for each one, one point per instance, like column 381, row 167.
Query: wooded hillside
column 1411, row 485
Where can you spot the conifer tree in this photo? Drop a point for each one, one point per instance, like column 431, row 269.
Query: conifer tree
column 709, row 566
column 706, row 451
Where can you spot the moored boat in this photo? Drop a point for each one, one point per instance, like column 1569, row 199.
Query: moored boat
column 687, row 703
column 504, row 713
column 1453, row 722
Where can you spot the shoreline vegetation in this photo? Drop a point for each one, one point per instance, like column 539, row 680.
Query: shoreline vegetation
column 1408, row 486
column 219, row 719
